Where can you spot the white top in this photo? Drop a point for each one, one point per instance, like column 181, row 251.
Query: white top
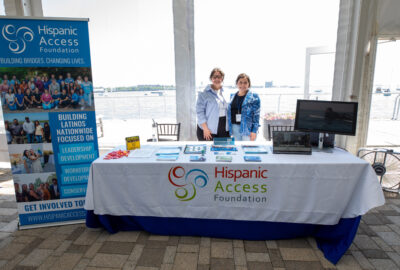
column 222, row 104
column 10, row 98
column 29, row 127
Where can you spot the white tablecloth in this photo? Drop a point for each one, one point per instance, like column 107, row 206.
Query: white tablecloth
column 318, row 189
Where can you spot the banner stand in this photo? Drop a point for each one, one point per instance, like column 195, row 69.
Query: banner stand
column 49, row 115
column 27, row 227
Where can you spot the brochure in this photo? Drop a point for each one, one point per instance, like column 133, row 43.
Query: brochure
column 141, row 153
column 197, row 158
column 255, row 149
column 167, row 157
column 225, row 153
column 252, row 158
column 195, row 149
column 224, row 141
column 223, row 158
column 168, row 150
column 225, row 148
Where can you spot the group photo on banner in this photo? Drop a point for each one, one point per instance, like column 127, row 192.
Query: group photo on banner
column 47, row 101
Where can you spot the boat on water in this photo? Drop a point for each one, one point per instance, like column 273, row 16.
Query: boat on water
column 159, row 93
column 386, row 92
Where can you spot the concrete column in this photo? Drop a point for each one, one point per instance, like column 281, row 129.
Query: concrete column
column 183, row 11
column 23, row 8
column 13, row 8
column 355, row 58
column 33, row 8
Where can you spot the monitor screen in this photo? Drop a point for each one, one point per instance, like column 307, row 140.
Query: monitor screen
column 336, row 117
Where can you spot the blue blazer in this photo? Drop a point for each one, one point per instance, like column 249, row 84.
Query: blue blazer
column 250, row 114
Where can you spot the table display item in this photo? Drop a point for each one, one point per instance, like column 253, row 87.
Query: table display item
column 221, row 153
column 197, row 158
column 167, row 157
column 255, row 149
column 141, row 153
column 117, row 154
column 168, row 150
column 223, row 148
column 252, row 158
column 132, row 142
column 223, row 158
column 195, row 149
column 224, row 141
column 291, row 142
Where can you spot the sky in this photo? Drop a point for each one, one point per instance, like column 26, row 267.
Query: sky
column 132, row 41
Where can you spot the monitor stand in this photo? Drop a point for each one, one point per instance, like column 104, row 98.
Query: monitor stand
column 321, row 145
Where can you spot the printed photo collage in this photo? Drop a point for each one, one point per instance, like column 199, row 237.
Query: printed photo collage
column 28, row 96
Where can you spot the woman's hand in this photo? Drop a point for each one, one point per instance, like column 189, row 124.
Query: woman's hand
column 207, row 134
column 253, row 136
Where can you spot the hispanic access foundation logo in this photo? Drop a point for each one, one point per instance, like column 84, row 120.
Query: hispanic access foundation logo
column 17, row 37
column 186, row 183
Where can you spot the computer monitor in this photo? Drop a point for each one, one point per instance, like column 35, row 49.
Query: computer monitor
column 334, row 117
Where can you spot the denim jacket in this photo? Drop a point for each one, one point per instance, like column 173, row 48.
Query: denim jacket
column 250, row 114
column 207, row 109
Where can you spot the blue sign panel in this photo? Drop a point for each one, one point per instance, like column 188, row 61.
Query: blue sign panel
column 44, row 43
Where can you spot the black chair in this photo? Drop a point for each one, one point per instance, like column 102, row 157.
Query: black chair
column 272, row 128
column 168, row 132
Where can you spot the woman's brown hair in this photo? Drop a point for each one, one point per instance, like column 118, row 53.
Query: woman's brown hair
column 215, row 70
column 243, row 76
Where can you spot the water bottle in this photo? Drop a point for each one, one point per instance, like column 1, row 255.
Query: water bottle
column 153, row 138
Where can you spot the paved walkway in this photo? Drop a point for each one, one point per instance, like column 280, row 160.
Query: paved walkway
column 376, row 246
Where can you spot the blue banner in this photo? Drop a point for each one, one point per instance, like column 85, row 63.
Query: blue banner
column 48, row 106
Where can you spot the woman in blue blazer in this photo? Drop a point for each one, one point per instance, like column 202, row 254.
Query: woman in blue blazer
column 244, row 111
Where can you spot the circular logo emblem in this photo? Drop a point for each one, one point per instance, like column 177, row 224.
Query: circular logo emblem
column 17, row 37
column 186, row 183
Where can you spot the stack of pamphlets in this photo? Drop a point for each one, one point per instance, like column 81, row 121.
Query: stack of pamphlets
column 197, row 158
column 224, row 148
column 168, row 150
column 145, row 151
column 223, row 158
column 255, row 149
column 167, row 157
column 224, row 141
column 252, row 158
column 168, row 153
column 225, row 153
column 195, row 149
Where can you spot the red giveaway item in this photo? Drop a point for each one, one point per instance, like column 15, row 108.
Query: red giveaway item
column 117, row 154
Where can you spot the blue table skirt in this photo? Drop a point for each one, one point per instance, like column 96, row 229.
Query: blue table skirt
column 332, row 240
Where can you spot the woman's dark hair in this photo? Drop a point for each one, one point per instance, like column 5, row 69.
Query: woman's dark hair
column 25, row 153
column 243, row 76
column 215, row 70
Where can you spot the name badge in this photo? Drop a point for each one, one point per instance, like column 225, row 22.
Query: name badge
column 238, row 117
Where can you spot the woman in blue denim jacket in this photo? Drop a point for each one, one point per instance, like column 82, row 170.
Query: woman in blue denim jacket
column 211, row 109
column 244, row 111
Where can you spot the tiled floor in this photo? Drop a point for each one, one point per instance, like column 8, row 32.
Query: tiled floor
column 376, row 246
